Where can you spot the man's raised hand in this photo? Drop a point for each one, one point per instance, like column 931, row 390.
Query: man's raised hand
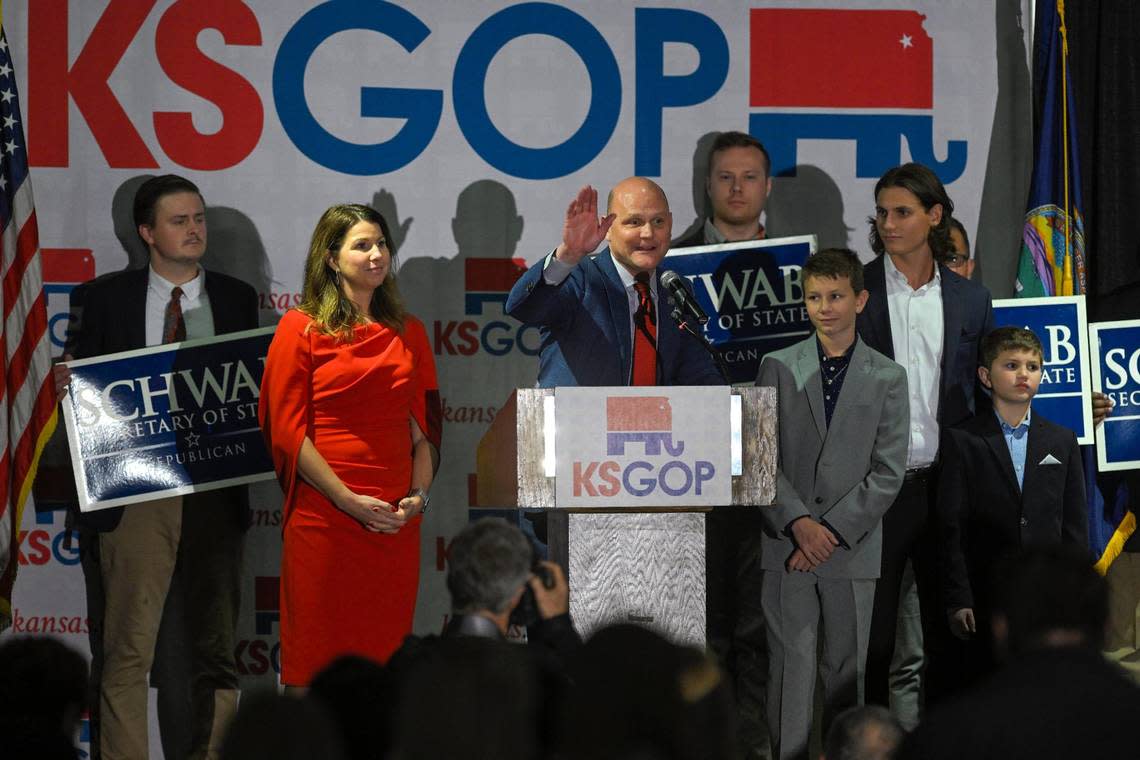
column 583, row 230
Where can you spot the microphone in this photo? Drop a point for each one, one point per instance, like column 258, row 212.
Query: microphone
column 682, row 298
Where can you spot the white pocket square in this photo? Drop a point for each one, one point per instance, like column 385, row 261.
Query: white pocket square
column 1050, row 459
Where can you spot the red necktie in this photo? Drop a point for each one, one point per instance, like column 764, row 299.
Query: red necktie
column 644, row 335
column 173, row 326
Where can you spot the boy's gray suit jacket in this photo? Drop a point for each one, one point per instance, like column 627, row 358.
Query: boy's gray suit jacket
column 846, row 475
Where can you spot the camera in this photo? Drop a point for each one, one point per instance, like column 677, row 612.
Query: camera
column 526, row 612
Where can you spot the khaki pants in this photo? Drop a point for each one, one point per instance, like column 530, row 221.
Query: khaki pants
column 137, row 561
column 1122, row 639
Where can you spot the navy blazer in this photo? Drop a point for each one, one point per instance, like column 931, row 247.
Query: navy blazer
column 983, row 515
column 108, row 315
column 584, row 326
column 967, row 316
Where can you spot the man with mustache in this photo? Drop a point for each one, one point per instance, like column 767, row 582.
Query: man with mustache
column 130, row 554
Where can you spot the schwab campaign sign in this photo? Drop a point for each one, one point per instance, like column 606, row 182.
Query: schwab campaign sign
column 752, row 294
column 167, row 420
column 639, row 447
column 1116, row 373
column 1066, row 384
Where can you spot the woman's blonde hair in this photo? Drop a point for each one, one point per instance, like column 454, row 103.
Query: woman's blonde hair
column 321, row 297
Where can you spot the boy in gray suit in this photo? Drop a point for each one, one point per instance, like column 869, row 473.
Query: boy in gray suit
column 843, row 439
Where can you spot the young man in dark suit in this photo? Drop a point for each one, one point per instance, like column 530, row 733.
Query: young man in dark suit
column 842, row 452
column 930, row 321
column 738, row 182
column 1010, row 479
column 129, row 554
column 738, row 185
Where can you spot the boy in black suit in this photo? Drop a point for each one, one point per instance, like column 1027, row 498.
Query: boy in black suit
column 1010, row 479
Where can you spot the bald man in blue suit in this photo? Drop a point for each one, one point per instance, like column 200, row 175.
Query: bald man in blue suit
column 584, row 304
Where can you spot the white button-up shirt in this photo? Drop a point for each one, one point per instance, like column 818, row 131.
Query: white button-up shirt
column 196, row 312
column 918, row 333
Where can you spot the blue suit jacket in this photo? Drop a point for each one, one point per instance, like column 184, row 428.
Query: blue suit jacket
column 967, row 316
column 584, row 324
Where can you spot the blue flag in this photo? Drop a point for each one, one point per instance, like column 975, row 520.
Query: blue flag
column 1052, row 261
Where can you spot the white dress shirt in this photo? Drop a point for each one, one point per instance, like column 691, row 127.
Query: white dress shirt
column 196, row 312
column 918, row 333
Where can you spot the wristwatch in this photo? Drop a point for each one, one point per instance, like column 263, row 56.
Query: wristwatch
column 423, row 495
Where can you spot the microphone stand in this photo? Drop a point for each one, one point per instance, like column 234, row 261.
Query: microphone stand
column 699, row 334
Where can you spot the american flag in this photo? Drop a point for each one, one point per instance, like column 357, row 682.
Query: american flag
column 28, row 409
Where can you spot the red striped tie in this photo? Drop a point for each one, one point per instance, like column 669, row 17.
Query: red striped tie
column 644, row 335
column 173, row 325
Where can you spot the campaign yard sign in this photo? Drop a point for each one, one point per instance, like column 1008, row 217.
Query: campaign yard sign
column 167, row 420
column 1066, row 382
column 752, row 294
column 1116, row 373
column 643, row 448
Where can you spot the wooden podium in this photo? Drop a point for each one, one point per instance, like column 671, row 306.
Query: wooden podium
column 638, row 564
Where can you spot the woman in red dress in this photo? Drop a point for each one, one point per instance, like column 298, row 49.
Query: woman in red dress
column 350, row 409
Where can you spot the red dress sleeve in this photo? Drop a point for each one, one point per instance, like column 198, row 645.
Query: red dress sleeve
column 427, row 407
column 285, row 404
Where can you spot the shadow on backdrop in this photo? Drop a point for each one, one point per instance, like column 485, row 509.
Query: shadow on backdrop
column 122, row 219
column 234, row 247
column 700, row 193
column 808, row 203
column 486, row 226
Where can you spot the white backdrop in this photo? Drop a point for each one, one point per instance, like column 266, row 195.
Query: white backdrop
column 227, row 94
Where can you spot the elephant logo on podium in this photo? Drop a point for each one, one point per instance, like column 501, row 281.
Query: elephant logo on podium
column 647, row 420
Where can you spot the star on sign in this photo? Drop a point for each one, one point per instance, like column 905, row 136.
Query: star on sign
column 906, row 41
column 192, row 439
